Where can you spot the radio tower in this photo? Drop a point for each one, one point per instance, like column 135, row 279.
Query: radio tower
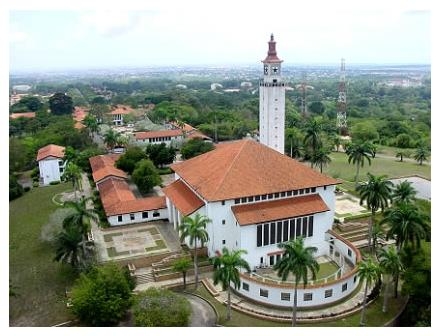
column 342, row 102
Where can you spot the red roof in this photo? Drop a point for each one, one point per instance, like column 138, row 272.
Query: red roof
column 246, row 168
column 103, row 166
column 182, row 197
column 272, row 52
column 117, row 198
column 121, row 109
column 262, row 212
column 22, row 115
column 157, row 134
column 50, row 150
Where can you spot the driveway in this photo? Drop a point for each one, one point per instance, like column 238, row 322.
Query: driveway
column 203, row 315
column 421, row 185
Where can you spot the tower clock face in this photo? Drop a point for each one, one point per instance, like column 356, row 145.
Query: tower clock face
column 266, row 69
column 275, row 69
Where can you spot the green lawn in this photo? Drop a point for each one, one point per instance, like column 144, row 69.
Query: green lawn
column 38, row 281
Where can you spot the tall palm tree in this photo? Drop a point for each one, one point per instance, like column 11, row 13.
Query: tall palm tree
column 312, row 137
column 404, row 192
column 182, row 265
column 298, row 260
column 391, row 264
column 358, row 153
column 421, row 154
column 111, row 138
column 321, row 158
column 376, row 192
column 195, row 229
column 226, row 271
column 407, row 225
column 294, row 138
column 72, row 248
column 402, row 153
column 81, row 217
column 369, row 272
column 73, row 174
column 90, row 121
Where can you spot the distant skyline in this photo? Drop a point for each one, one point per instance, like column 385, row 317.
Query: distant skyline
column 171, row 33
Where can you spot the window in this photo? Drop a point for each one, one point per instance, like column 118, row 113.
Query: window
column 263, row 197
column 243, row 199
column 265, row 234
column 271, row 260
column 308, row 297
column 295, row 192
column 276, row 195
column 355, row 278
column 283, row 194
column 60, row 163
column 328, row 293
column 144, row 214
column 223, row 241
column 223, row 221
column 313, row 189
column 156, row 214
column 131, row 216
column 259, row 235
column 279, row 231
column 301, row 191
column 285, row 230
column 307, row 190
column 61, row 170
column 298, row 228
column 272, row 233
column 289, row 193
column 292, row 229
column 257, row 198
column 264, row 292
column 349, row 252
column 344, row 287
column 250, row 199
column 310, row 228
column 237, row 201
column 119, row 218
column 305, row 227
column 285, row 296
column 223, row 202
column 325, row 187
column 245, row 286
column 270, row 196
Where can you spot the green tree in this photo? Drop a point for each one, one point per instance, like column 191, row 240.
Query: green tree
column 407, row 225
column 73, row 249
column 182, row 265
column 369, row 272
column 130, row 158
column 364, row 131
column 73, row 174
column 294, row 142
column 161, row 154
column 298, row 260
column 32, row 103
column 402, row 153
column 357, row 153
column 391, row 264
column 15, row 188
column 161, row 308
column 194, row 228
column 321, row 158
column 90, row 121
column 404, row 192
column 227, row 268
column 403, row 140
column 61, row 104
column 145, row 176
column 111, row 138
column 102, row 296
column 195, row 147
column 312, row 136
column 317, row 107
column 421, row 154
column 81, row 216
column 376, row 193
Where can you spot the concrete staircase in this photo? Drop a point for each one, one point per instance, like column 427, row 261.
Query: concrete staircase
column 144, row 275
column 356, row 233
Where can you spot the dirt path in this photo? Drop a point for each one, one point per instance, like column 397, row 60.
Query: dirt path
column 203, row 315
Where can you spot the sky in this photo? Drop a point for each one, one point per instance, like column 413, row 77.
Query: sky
column 130, row 33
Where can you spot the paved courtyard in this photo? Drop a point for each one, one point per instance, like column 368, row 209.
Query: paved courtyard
column 420, row 184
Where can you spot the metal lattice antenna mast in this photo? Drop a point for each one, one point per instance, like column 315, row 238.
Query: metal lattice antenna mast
column 303, row 97
column 342, row 102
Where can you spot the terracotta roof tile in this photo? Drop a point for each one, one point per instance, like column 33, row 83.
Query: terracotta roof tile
column 279, row 209
column 50, row 150
column 121, row 109
column 103, row 166
column 246, row 168
column 182, row 197
column 156, row 134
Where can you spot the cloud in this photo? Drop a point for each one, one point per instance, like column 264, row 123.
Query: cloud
column 18, row 37
column 109, row 23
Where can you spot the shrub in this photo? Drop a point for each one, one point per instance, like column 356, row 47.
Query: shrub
column 26, row 189
column 35, row 184
column 161, row 308
column 55, row 182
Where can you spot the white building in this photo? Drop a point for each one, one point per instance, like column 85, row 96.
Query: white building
column 257, row 198
column 50, row 163
column 272, row 101
column 173, row 137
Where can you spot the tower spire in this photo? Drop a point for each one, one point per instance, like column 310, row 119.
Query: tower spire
column 272, row 52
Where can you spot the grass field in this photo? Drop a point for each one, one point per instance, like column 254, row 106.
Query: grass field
column 39, row 282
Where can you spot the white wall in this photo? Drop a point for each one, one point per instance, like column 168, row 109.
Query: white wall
column 126, row 218
column 174, row 142
column 49, row 169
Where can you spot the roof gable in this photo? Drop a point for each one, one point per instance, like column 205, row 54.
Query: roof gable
column 246, row 168
column 50, row 150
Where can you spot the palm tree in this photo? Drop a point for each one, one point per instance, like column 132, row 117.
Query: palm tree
column 182, row 265
column 312, row 137
column 72, row 248
column 72, row 173
column 357, row 153
column 111, row 138
column 421, row 154
column 226, row 271
column 81, row 216
column 377, row 232
column 337, row 141
column 402, row 154
column 404, row 192
column 407, row 225
column 376, row 192
column 370, row 272
column 391, row 264
column 195, row 229
column 294, row 138
column 321, row 158
column 90, row 121
column 298, row 260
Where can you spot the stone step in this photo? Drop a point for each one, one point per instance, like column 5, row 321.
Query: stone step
column 144, row 278
column 356, row 237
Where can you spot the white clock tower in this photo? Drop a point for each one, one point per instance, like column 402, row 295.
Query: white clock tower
column 272, row 101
